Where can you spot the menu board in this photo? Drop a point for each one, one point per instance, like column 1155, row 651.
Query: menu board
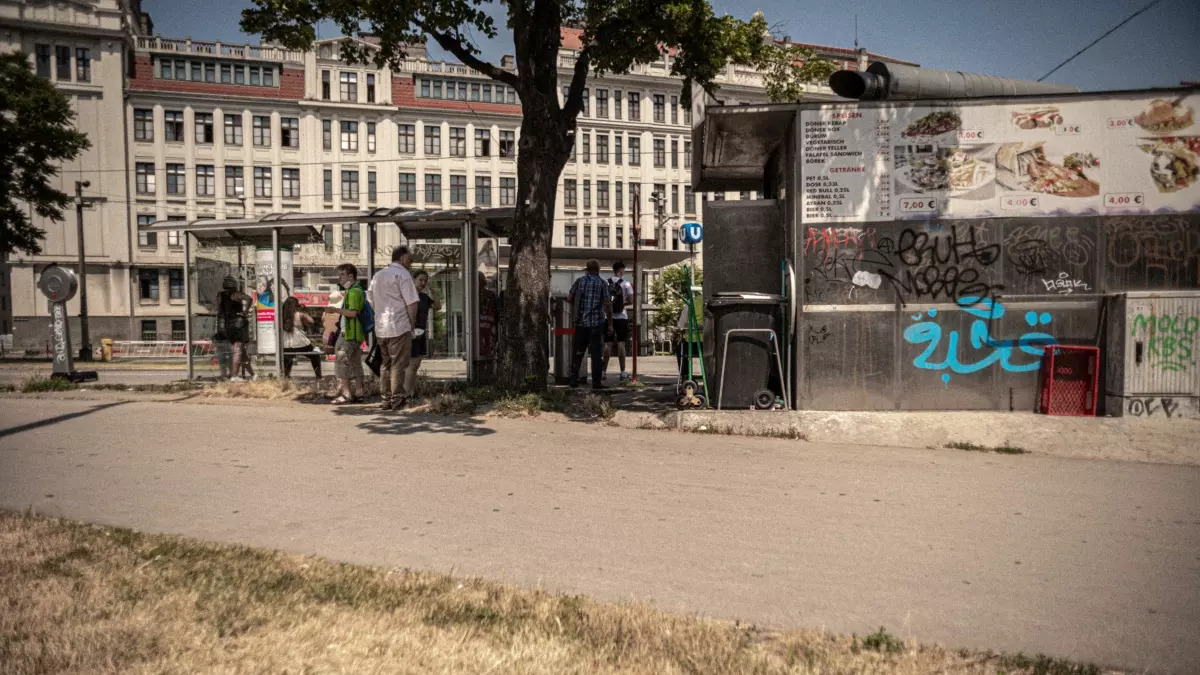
column 1105, row 156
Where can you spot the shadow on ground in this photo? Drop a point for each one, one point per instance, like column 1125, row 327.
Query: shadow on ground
column 60, row 418
column 398, row 422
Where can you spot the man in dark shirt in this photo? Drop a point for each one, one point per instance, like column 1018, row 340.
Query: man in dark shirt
column 591, row 307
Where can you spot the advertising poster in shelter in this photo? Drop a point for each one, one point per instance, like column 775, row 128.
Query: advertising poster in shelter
column 265, row 302
column 1124, row 154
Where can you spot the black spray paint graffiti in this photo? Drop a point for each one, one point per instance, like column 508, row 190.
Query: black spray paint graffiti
column 943, row 265
column 817, row 336
column 1037, row 249
column 1148, row 407
column 1154, row 243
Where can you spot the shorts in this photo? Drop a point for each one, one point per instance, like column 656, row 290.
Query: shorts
column 348, row 360
column 420, row 347
column 620, row 331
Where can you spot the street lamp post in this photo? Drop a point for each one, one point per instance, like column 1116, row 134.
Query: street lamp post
column 81, row 202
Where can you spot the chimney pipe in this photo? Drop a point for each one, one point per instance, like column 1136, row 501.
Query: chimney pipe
column 893, row 81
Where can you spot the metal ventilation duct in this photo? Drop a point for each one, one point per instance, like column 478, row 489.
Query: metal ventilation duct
column 892, row 81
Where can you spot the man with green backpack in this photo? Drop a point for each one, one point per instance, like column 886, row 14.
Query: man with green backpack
column 348, row 354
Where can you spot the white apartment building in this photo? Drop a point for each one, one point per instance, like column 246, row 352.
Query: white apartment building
column 209, row 130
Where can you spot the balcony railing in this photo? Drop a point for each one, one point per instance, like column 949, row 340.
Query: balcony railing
column 217, row 49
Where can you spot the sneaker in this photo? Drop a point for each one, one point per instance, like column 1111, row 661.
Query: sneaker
column 385, row 406
column 237, row 378
column 625, row 376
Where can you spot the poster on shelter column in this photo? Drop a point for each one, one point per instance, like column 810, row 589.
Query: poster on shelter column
column 265, row 302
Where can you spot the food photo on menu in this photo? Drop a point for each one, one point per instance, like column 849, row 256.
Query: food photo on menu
column 934, row 124
column 1174, row 163
column 1037, row 118
column 961, row 172
column 1030, row 167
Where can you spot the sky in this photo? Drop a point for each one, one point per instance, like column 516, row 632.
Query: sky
column 1015, row 38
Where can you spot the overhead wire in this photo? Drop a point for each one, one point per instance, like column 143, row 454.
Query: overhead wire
column 1093, row 43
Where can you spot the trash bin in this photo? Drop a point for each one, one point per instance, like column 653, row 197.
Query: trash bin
column 746, row 355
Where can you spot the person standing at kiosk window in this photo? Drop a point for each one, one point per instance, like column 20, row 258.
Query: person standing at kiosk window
column 420, row 342
column 395, row 299
column 591, row 306
column 622, row 296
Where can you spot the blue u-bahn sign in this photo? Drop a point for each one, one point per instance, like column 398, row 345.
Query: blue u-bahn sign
column 691, row 233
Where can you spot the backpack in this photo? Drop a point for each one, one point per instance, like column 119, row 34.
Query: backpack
column 366, row 318
column 617, row 290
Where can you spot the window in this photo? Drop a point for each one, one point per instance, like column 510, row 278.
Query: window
column 146, row 239
column 483, row 191
column 620, row 234
column 269, row 76
column 291, row 183
column 408, row 138
column 587, row 146
column 255, row 76
column 487, row 93
column 289, row 132
column 674, row 199
column 325, row 95
column 617, row 104
column 483, row 143
column 602, row 195
column 674, row 154
column 660, row 195
column 372, row 187
column 617, row 153
column 206, row 180
column 660, row 108
column 175, row 285
column 635, row 151
column 687, row 115
column 179, row 326
column 462, row 91
column 743, row 195
column 349, row 136
column 173, row 126
column 233, row 130
column 226, row 73
column 602, row 148
column 176, row 179
column 261, row 128
column 348, row 86
column 437, row 89
column 587, row 236
column 41, row 57
column 619, row 196
column 83, row 65
column 326, row 134
column 585, row 98
column 587, row 195
column 458, row 141
column 204, row 127
column 327, row 180
column 327, row 237
column 210, row 72
column 660, row 152
column 150, row 326
column 370, row 88
column 571, row 157
column 674, row 110
column 458, row 189
column 570, row 235
column 239, row 75
column 602, row 103
column 408, row 187
column 451, row 92
column 633, row 195
column 476, row 91
column 351, row 238
column 602, row 240
column 197, row 69
column 689, row 199
column 570, row 194
column 148, row 290
column 424, row 88
column 687, row 154
column 62, row 62
column 635, row 107
column 350, row 185
column 508, row 144
column 262, row 181
column 165, row 69
column 143, row 125
column 370, row 137
column 433, row 188
column 508, row 191
column 235, row 184
column 433, row 141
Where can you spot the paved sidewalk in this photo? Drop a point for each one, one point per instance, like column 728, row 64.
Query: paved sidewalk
column 1091, row 560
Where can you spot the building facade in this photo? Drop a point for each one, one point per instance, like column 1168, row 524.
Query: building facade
column 185, row 129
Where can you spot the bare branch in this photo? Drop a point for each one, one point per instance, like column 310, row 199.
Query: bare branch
column 457, row 48
column 574, row 102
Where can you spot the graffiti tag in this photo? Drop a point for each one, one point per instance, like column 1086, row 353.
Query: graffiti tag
column 1170, row 338
column 981, row 351
column 1065, row 285
column 1147, row 407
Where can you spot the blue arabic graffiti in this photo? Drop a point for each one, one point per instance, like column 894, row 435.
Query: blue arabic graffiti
column 987, row 350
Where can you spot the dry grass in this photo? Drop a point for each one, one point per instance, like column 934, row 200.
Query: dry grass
column 81, row 598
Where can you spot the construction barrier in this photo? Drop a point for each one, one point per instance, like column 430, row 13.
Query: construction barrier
column 123, row 350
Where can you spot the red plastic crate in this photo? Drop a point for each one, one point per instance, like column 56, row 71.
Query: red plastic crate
column 1070, row 380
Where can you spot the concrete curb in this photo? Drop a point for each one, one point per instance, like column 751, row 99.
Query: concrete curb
column 1168, row 441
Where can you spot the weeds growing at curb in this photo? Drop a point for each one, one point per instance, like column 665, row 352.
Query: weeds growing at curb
column 39, row 384
column 882, row 641
column 1005, row 449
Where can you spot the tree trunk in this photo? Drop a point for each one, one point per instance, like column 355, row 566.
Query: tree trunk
column 524, row 344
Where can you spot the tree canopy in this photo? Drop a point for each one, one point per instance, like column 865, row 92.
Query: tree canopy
column 37, row 132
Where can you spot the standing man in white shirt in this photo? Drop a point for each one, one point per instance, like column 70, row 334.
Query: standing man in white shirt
column 621, row 299
column 394, row 298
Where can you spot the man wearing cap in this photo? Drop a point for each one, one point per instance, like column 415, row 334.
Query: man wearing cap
column 591, row 307
column 621, row 292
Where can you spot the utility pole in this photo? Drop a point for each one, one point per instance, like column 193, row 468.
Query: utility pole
column 635, row 213
column 81, row 202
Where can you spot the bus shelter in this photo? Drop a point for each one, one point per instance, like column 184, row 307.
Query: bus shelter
column 461, row 246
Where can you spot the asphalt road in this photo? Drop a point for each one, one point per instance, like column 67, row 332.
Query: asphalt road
column 1092, row 560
